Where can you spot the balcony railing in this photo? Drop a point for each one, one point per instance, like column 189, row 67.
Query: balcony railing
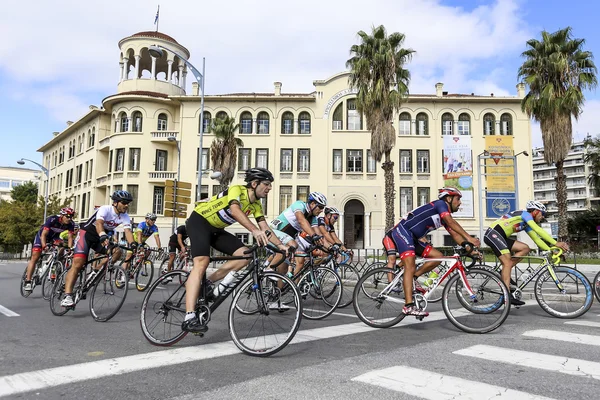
column 161, row 175
column 163, row 136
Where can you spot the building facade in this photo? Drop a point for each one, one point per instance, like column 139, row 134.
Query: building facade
column 11, row 177
column 315, row 141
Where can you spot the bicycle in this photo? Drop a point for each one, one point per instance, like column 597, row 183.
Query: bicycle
column 338, row 261
column 46, row 269
column 255, row 309
column 103, row 286
column 141, row 268
column 483, row 302
column 556, row 287
column 183, row 261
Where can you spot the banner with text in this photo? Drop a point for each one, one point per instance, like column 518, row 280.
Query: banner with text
column 500, row 176
column 458, row 171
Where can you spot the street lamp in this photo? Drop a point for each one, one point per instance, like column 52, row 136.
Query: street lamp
column 45, row 171
column 175, row 212
column 157, row 52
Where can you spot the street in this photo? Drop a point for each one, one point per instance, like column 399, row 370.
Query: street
column 531, row 356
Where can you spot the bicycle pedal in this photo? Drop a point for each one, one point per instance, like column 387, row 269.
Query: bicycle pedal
column 199, row 334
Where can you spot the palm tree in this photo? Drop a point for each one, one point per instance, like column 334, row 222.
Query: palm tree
column 557, row 70
column 592, row 159
column 223, row 150
column 377, row 71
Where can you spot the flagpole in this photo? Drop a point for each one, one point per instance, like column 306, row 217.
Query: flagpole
column 157, row 17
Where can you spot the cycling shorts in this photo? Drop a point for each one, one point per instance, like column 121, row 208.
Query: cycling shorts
column 399, row 241
column 84, row 241
column 203, row 236
column 497, row 240
column 303, row 244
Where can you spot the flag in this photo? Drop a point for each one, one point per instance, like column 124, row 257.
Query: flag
column 156, row 18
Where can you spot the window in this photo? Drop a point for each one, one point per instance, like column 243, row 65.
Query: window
column 221, row 115
column 262, row 123
column 447, row 124
column 160, row 163
column 287, row 123
column 4, row 183
column 137, row 121
column 244, row 159
column 91, row 170
column 80, row 173
column 404, row 123
column 405, row 161
column 354, row 161
column 246, row 122
column 263, row 204
column 354, row 119
column 338, row 118
column 422, row 161
column 337, row 161
column 92, row 139
column 463, row 125
column 80, row 146
column 406, row 200
column 61, row 155
column 120, row 160
column 133, row 189
column 489, row 124
column 285, row 197
column 162, row 122
column 158, row 200
column 110, row 158
column 422, row 196
column 83, row 204
column 116, row 124
column 203, row 192
column 304, row 123
column 243, row 237
column 124, row 122
column 134, row 159
column 371, row 163
column 262, row 158
column 287, row 157
column 216, row 189
column 303, row 160
column 302, row 193
column 206, row 122
column 506, row 124
column 205, row 159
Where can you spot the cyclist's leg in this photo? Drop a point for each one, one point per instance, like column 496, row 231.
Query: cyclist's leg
column 288, row 241
column 172, row 251
column 36, row 253
column 518, row 249
column 501, row 246
column 426, row 250
column 227, row 243
column 80, row 253
column 392, row 254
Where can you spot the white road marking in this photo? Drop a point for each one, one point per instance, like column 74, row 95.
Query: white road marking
column 429, row 385
column 584, row 323
column 7, row 312
column 333, row 313
column 564, row 336
column 565, row 365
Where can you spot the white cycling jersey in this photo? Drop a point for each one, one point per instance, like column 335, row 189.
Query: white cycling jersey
column 111, row 220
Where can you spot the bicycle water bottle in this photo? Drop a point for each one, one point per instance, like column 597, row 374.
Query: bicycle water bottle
column 227, row 282
column 431, row 278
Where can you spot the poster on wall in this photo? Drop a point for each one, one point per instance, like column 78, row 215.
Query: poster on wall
column 500, row 176
column 458, row 171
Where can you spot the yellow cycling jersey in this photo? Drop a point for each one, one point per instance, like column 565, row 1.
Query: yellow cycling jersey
column 64, row 235
column 216, row 210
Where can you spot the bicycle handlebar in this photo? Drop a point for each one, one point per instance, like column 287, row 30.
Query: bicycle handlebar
column 555, row 253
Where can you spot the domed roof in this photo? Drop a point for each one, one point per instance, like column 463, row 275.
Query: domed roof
column 153, row 34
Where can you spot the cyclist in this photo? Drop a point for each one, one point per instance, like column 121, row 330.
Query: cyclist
column 50, row 231
column 176, row 241
column 144, row 230
column 404, row 238
column 497, row 236
column 206, row 228
column 326, row 229
column 94, row 234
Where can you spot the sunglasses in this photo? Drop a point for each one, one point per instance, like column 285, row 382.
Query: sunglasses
column 335, row 216
column 68, row 216
column 125, row 202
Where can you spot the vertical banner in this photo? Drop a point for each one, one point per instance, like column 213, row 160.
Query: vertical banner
column 500, row 176
column 458, row 171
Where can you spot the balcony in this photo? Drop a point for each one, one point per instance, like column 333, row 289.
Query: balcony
column 161, row 176
column 162, row 136
column 104, row 144
column 102, row 180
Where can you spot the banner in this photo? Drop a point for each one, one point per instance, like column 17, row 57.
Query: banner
column 498, row 204
column 458, row 171
column 505, row 180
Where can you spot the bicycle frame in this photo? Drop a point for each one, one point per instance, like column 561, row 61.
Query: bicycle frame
column 533, row 273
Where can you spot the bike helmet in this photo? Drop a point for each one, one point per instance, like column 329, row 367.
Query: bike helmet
column 318, row 198
column 75, row 225
column 331, row 210
column 535, row 205
column 448, row 191
column 67, row 211
column 262, row 174
column 122, row 195
column 151, row 216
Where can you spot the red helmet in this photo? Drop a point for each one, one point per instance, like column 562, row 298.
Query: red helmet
column 448, row 191
column 67, row 211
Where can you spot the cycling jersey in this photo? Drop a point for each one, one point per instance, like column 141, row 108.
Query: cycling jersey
column 146, row 230
column 64, row 235
column 426, row 218
column 217, row 210
column 328, row 227
column 54, row 228
column 287, row 222
column 521, row 220
column 181, row 230
column 110, row 218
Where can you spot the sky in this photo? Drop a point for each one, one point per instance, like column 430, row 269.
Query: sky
column 58, row 58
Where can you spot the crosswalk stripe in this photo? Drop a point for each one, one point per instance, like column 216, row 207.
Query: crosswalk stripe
column 584, row 323
column 565, row 336
column 333, row 313
column 429, row 385
column 7, row 312
column 565, row 365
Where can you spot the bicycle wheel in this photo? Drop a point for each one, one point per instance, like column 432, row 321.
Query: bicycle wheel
column 58, row 289
column 320, row 291
column 485, row 311
column 375, row 265
column 596, row 284
column 375, row 301
column 163, row 310
column 349, row 276
column 107, row 297
column 26, row 293
column 143, row 275
column 573, row 301
column 272, row 326
column 49, row 278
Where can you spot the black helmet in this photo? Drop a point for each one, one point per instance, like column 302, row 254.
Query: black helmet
column 258, row 173
column 122, row 195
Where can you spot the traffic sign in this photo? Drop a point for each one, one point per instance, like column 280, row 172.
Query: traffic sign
column 180, row 192
column 171, row 213
column 180, row 184
column 171, row 206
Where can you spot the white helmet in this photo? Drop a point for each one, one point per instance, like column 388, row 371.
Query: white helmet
column 151, row 216
column 535, row 205
column 318, row 198
column 448, row 191
column 331, row 210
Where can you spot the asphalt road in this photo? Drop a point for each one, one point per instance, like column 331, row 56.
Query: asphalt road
column 531, row 354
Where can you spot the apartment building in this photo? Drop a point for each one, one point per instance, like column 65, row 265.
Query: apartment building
column 11, row 177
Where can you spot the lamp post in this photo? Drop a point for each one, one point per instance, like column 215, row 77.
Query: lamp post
column 157, row 52
column 174, row 139
column 45, row 171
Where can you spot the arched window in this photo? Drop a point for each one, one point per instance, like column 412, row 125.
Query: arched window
column 137, row 121
column 162, row 122
column 447, row 124
column 246, row 122
column 80, row 144
column 262, row 122
column 353, row 119
column 221, row 115
column 338, row 118
column 287, row 123
column 116, row 124
column 404, row 123
column 124, row 122
column 422, row 124
column 464, row 124
column 489, row 124
column 304, row 123
column 506, row 124
column 206, row 120
column 92, row 137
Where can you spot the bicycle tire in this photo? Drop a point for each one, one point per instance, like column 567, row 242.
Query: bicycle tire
column 105, row 285
column 565, row 298
column 374, row 302
column 266, row 292
column 156, row 310
column 596, row 284
column 350, row 277
column 48, row 282
column 320, row 291
column 493, row 313
column 58, row 289
column 26, row 293
column 143, row 275
column 375, row 265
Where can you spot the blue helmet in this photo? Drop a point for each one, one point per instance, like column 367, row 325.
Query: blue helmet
column 318, row 198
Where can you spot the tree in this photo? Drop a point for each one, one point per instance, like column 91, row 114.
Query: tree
column 26, row 192
column 223, row 150
column 592, row 159
column 557, row 70
column 377, row 71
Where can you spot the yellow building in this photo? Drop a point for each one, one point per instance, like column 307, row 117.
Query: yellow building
column 314, row 141
column 11, row 177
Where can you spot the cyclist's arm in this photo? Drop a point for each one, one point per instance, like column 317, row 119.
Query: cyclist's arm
column 455, row 228
column 70, row 240
column 43, row 237
column 241, row 217
column 304, row 224
column 327, row 235
column 157, row 239
column 129, row 236
column 138, row 236
column 264, row 226
column 180, row 242
column 534, row 230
